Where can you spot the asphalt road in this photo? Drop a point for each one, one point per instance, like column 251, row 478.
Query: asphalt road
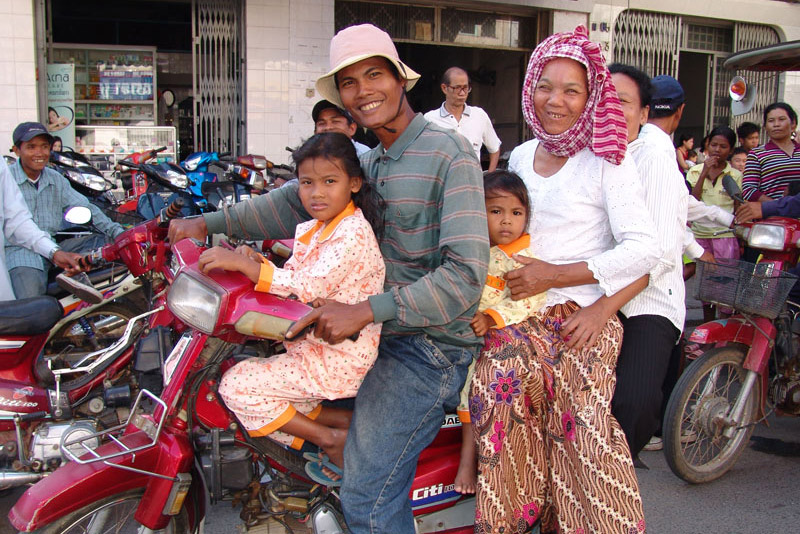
column 760, row 495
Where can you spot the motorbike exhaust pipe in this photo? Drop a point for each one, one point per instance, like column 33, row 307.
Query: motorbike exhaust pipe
column 12, row 480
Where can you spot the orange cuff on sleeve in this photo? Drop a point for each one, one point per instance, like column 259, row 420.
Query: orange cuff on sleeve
column 281, row 420
column 265, row 277
column 463, row 416
column 498, row 319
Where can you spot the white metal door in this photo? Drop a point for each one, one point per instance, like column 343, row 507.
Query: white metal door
column 218, row 56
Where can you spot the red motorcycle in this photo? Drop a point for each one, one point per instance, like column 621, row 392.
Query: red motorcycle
column 158, row 468
column 752, row 359
column 44, row 399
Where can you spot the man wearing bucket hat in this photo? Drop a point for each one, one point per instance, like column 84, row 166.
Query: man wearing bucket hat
column 436, row 249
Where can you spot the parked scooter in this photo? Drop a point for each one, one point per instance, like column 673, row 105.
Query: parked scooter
column 162, row 464
column 219, row 181
column 45, row 398
column 752, row 357
column 89, row 326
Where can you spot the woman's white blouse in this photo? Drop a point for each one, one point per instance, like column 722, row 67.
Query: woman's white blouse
column 593, row 211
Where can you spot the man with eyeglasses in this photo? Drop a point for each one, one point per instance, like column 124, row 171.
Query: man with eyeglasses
column 470, row 121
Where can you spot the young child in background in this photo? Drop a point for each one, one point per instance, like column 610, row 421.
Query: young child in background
column 706, row 181
column 691, row 157
column 508, row 214
column 336, row 257
column 739, row 158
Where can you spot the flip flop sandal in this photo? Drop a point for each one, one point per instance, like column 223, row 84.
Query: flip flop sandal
column 315, row 473
column 316, row 457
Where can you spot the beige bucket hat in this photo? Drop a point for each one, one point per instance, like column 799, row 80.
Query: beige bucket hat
column 354, row 44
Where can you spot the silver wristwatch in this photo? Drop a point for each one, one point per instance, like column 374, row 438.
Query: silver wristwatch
column 53, row 252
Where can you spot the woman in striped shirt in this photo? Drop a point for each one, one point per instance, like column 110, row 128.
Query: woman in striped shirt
column 771, row 169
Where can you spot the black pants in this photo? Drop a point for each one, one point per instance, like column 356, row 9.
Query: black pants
column 647, row 346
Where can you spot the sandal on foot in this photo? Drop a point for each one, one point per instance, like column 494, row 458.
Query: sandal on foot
column 315, row 473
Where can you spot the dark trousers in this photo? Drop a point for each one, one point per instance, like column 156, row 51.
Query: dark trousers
column 647, row 346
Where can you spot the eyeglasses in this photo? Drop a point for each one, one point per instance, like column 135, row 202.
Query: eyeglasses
column 460, row 88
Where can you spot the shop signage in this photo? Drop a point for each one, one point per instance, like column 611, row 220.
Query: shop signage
column 61, row 102
column 126, row 84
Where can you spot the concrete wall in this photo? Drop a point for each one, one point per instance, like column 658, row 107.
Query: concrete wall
column 287, row 50
column 17, row 68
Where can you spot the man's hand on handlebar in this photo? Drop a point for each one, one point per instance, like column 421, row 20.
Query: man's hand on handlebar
column 183, row 228
column 748, row 212
column 334, row 321
column 69, row 261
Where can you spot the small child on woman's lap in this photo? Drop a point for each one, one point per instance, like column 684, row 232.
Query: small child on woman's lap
column 508, row 214
column 336, row 256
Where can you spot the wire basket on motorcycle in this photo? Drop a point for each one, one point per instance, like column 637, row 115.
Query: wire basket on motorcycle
column 754, row 288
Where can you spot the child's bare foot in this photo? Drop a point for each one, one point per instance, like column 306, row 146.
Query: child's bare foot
column 467, row 476
column 334, row 449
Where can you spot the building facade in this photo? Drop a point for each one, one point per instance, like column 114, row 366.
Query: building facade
column 246, row 68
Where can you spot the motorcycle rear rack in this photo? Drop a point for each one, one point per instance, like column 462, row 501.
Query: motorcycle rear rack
column 150, row 427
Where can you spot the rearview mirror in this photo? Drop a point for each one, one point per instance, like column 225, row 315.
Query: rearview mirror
column 78, row 215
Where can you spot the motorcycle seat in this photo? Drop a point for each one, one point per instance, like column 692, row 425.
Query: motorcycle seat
column 97, row 277
column 29, row 317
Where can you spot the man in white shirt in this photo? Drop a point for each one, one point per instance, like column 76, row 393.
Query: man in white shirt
column 328, row 117
column 470, row 121
column 653, row 320
column 19, row 229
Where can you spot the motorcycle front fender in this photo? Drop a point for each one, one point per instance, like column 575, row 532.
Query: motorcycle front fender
column 74, row 485
column 733, row 330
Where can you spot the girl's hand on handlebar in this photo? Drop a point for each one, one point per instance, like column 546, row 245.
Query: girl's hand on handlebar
column 248, row 252
column 220, row 258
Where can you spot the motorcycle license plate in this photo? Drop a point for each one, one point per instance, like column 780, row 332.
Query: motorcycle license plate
column 171, row 363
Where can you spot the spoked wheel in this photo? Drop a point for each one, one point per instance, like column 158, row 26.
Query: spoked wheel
column 111, row 515
column 700, row 444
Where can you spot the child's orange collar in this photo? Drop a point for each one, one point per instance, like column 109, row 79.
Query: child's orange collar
column 330, row 227
column 521, row 243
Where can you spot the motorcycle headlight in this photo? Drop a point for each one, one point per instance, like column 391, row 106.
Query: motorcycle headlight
column 195, row 302
column 98, row 183
column 181, row 181
column 191, row 163
column 767, row 236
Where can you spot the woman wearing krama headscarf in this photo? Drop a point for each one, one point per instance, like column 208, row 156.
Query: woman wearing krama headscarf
column 549, row 448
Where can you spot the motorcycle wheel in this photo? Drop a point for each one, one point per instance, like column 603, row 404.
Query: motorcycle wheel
column 695, row 446
column 112, row 514
column 107, row 323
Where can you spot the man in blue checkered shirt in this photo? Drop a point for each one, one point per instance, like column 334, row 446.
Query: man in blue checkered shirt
column 48, row 195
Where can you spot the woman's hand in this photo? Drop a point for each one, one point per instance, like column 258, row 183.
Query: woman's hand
column 534, row 277
column 481, row 323
column 583, row 328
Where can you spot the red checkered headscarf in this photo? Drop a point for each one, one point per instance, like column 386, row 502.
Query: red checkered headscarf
column 601, row 126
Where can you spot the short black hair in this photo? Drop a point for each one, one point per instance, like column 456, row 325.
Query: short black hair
column 725, row 132
column 781, row 105
column 509, row 182
column 746, row 129
column 641, row 80
column 739, row 150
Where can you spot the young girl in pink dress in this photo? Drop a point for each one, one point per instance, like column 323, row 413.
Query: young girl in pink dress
column 336, row 257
